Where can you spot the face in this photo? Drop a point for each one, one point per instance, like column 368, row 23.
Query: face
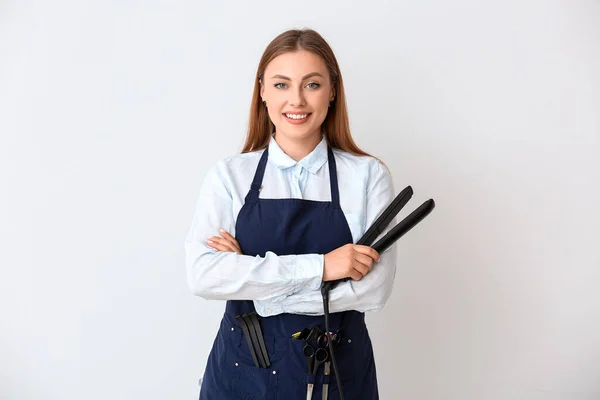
column 297, row 83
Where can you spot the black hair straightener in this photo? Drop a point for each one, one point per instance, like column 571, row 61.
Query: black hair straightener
column 383, row 244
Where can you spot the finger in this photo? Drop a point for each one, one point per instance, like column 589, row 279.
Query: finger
column 355, row 275
column 364, row 260
column 217, row 246
column 226, row 235
column 233, row 247
column 368, row 251
column 221, row 244
column 363, row 269
column 214, row 243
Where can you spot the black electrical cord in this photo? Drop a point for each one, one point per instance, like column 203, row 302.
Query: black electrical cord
column 325, row 293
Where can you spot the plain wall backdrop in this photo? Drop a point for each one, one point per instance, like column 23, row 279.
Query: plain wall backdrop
column 111, row 112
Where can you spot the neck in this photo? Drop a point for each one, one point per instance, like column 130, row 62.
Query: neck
column 300, row 148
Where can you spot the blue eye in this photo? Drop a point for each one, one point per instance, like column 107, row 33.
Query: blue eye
column 316, row 85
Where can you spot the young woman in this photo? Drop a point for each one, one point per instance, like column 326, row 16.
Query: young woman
column 276, row 221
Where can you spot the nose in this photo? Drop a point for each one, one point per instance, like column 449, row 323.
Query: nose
column 296, row 98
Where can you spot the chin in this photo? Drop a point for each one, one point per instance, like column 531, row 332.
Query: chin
column 297, row 132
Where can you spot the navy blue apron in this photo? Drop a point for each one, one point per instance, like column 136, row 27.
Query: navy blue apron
column 289, row 226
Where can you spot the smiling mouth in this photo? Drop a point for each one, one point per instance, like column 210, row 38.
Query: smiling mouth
column 297, row 117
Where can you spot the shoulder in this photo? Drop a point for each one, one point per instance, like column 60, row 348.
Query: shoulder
column 367, row 166
column 236, row 163
column 224, row 175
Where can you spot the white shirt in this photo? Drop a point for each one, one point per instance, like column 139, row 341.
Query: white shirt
column 289, row 283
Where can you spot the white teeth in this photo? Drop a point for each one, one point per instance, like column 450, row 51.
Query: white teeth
column 296, row 116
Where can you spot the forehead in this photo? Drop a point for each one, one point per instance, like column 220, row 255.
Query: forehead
column 296, row 64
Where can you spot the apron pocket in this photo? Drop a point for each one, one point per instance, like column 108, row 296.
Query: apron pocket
column 249, row 382
column 242, row 377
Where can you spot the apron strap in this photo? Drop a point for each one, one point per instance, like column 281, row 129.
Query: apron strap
column 335, row 194
column 252, row 196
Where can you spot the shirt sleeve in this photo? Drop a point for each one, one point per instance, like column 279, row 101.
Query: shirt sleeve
column 368, row 294
column 212, row 274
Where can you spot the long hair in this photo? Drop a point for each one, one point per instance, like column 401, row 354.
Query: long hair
column 336, row 127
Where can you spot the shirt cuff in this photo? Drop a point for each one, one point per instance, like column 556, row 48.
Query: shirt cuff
column 308, row 272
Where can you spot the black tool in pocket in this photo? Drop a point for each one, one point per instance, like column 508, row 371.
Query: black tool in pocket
column 254, row 337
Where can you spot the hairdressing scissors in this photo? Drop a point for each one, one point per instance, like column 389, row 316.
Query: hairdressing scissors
column 316, row 357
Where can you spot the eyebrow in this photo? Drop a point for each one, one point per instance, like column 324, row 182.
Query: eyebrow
column 303, row 78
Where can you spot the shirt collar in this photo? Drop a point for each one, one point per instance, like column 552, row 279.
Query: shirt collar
column 312, row 161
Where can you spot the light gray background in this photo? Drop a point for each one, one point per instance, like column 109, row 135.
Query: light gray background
column 111, row 112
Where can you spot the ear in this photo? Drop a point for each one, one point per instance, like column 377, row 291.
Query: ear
column 332, row 94
column 262, row 89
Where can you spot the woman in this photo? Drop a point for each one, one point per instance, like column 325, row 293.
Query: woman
column 290, row 206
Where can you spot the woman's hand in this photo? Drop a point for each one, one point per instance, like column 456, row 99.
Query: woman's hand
column 351, row 260
column 224, row 243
